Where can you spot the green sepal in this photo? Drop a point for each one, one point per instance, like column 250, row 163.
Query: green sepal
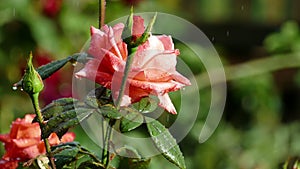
column 131, row 41
column 147, row 32
column 127, row 33
column 48, row 69
column 165, row 143
column 32, row 82
column 131, row 120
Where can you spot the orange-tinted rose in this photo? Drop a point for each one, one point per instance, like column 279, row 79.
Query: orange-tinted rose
column 24, row 141
column 153, row 70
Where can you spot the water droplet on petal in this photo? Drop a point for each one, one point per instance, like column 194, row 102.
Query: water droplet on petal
column 183, row 89
column 74, row 64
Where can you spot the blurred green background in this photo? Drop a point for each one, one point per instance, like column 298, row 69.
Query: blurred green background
column 260, row 126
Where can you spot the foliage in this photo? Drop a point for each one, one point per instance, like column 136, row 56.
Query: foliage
column 260, row 126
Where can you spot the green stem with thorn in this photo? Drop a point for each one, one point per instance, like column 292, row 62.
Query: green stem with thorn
column 35, row 103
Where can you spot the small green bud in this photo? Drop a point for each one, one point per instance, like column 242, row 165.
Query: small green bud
column 32, row 81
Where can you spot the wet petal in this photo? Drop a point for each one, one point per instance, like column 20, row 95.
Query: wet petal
column 138, row 27
column 166, row 103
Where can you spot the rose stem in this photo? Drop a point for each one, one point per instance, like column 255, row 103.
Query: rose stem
column 102, row 4
column 35, row 102
column 107, row 137
column 129, row 60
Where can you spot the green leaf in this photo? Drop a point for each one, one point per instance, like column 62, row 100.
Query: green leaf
column 66, row 156
column 109, row 111
column 56, row 107
column 165, row 142
column 139, row 163
column 146, row 105
column 128, row 151
column 131, row 120
column 128, row 157
column 47, row 70
column 73, row 155
column 60, row 123
column 98, row 97
column 65, row 120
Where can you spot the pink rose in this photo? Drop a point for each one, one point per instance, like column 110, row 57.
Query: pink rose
column 153, row 70
column 24, row 141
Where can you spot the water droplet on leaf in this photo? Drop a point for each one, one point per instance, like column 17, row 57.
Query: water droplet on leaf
column 14, row 87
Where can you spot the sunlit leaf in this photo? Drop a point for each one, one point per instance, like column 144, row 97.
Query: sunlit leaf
column 131, row 120
column 165, row 142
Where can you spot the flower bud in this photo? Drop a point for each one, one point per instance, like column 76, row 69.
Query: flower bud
column 32, row 81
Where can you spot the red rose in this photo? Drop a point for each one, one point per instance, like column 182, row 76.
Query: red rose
column 153, row 70
column 24, row 141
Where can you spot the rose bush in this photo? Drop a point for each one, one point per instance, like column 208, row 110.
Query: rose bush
column 153, row 70
column 24, row 142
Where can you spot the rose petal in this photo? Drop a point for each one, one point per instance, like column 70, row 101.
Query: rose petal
column 8, row 164
column 68, row 137
column 138, row 27
column 166, row 41
column 181, row 79
column 118, row 29
column 92, row 72
column 53, row 139
column 156, row 87
column 5, row 138
column 166, row 103
column 22, row 143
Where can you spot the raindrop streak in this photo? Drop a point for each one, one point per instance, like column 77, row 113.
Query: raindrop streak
column 242, row 7
column 14, row 11
column 227, row 33
column 213, row 39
